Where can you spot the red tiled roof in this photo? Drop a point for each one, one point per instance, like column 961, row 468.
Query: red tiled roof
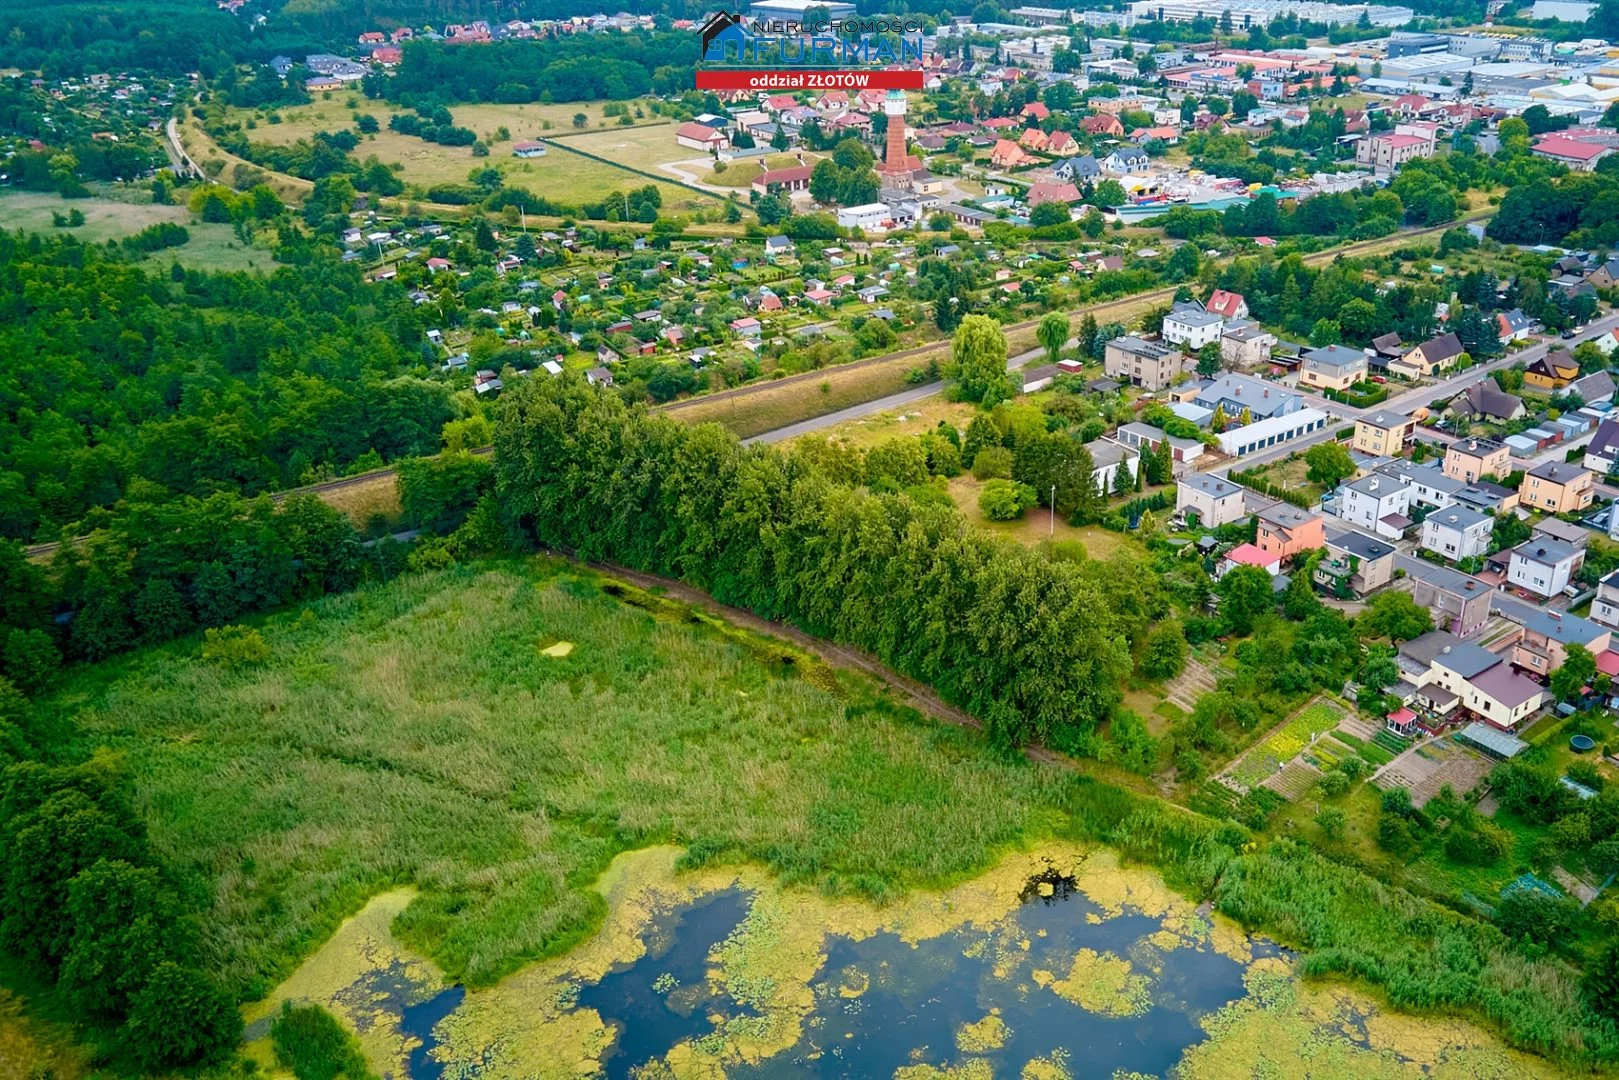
column 1564, row 147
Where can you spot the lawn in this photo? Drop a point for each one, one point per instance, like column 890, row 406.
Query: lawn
column 1292, row 474
column 1036, row 525
column 211, row 247
column 415, row 733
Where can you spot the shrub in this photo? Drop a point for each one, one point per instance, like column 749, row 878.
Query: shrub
column 235, row 646
column 1482, row 844
column 180, row 1018
column 308, row 1040
column 1005, row 500
column 993, row 463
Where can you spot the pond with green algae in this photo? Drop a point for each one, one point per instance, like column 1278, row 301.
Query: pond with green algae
column 1056, row 963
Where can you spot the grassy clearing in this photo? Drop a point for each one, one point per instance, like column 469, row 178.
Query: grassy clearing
column 362, row 503
column 558, row 175
column 414, row 734
column 211, row 247
column 332, row 109
column 913, row 419
column 33, row 1047
column 1036, row 525
column 773, row 407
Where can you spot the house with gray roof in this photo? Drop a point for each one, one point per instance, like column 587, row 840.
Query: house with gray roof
column 1332, row 367
column 1542, row 567
column 1459, row 603
column 1234, row 393
column 1457, row 532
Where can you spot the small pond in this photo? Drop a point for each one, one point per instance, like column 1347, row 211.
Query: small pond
column 1054, row 964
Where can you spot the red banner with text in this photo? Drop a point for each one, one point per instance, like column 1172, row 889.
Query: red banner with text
column 807, row 79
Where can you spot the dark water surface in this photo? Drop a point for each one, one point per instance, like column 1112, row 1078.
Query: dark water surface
column 882, row 1003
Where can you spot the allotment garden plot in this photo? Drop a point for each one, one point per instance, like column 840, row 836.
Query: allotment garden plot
column 1314, row 739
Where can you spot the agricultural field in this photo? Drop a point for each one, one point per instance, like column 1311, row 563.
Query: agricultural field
column 438, row 730
column 211, row 247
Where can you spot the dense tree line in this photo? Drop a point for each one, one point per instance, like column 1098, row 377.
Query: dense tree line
column 578, row 67
column 75, row 37
column 119, row 376
column 1576, row 209
column 1036, row 646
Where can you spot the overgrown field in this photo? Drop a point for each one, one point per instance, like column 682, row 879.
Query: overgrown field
column 416, row 733
column 211, row 247
column 493, row 734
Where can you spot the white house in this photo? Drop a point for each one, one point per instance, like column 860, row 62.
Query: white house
column 1379, row 504
column 1457, row 532
column 1429, row 485
column 1602, row 452
column 1605, row 608
column 700, row 137
column 1542, row 567
column 1192, row 328
column 1215, row 501
column 1107, row 458
column 1126, row 160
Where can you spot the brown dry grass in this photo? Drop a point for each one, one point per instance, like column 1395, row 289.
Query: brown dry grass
column 379, row 495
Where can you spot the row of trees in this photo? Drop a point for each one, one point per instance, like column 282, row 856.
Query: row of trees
column 1037, row 647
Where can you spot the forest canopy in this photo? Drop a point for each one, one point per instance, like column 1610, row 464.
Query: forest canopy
column 197, row 383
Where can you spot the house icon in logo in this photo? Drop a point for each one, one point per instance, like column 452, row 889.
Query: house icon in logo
column 723, row 29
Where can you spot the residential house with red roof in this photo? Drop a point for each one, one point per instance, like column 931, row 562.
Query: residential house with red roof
column 1009, row 155
column 1061, row 144
column 1230, row 305
column 1053, row 191
column 699, row 136
column 1102, row 125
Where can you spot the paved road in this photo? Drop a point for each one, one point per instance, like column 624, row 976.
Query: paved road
column 178, row 158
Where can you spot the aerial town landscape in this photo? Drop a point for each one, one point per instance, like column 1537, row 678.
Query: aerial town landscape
column 827, row 539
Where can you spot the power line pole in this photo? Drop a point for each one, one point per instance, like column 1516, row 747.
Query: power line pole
column 1052, row 532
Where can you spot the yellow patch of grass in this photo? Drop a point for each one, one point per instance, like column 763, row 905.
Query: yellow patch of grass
column 913, row 419
column 362, row 502
column 30, row 1047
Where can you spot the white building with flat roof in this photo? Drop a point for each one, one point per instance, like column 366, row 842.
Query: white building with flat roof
column 866, row 216
column 1272, row 432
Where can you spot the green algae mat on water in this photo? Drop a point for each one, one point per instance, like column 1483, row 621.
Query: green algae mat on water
column 1056, row 963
